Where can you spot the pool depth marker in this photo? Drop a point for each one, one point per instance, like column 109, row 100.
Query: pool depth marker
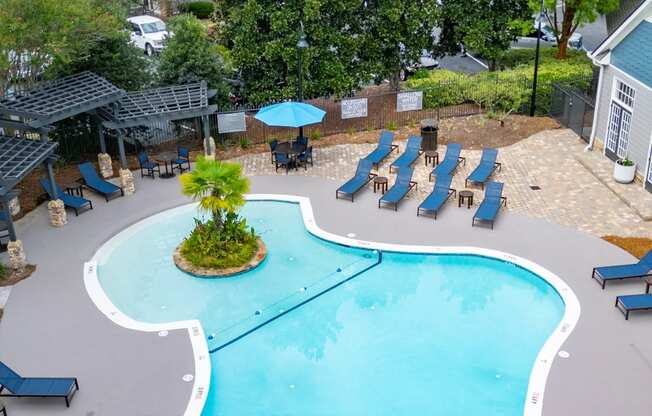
column 298, row 305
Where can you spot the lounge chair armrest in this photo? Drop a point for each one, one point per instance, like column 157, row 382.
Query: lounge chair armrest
column 498, row 166
column 462, row 159
column 393, row 147
column 503, row 199
column 413, row 184
column 372, row 175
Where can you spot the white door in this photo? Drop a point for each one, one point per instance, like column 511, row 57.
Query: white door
column 648, row 177
column 618, row 132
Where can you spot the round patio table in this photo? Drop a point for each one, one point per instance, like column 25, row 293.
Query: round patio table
column 290, row 149
column 165, row 158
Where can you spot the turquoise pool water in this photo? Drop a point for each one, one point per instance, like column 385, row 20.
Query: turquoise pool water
column 416, row 334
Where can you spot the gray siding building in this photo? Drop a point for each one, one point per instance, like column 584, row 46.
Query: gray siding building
column 623, row 115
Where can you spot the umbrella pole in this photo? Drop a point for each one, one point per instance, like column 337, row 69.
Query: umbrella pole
column 300, row 131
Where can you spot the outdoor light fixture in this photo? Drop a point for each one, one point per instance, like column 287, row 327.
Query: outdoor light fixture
column 302, row 44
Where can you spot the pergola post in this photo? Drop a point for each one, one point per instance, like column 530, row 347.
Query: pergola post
column 126, row 176
column 209, row 143
column 7, row 213
column 15, row 250
column 103, row 159
column 56, row 207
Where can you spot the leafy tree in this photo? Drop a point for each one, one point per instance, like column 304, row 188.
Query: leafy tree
column 262, row 36
column 41, row 36
column 565, row 16
column 396, row 32
column 492, row 25
column 190, row 56
column 113, row 57
column 485, row 26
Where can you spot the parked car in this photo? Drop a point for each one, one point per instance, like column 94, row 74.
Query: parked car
column 148, row 33
column 548, row 35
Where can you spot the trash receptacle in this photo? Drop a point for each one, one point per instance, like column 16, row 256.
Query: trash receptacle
column 429, row 131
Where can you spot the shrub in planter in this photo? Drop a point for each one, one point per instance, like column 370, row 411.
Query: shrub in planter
column 200, row 9
column 624, row 171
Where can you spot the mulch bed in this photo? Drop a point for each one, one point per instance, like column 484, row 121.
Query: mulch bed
column 14, row 277
column 473, row 132
column 637, row 247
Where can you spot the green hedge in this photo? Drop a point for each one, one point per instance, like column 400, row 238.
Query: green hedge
column 505, row 90
column 201, row 9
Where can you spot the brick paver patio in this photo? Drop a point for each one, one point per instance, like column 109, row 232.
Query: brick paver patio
column 570, row 194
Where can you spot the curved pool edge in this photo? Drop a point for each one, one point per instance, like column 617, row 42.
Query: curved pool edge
column 541, row 367
column 547, row 354
column 202, row 376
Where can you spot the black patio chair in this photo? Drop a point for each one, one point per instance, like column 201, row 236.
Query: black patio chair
column 305, row 158
column 149, row 166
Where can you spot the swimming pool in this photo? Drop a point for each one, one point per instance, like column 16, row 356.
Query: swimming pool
column 398, row 332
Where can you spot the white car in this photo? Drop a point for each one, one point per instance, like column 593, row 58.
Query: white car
column 148, row 33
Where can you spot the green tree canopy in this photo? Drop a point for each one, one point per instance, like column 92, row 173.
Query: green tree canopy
column 395, row 33
column 190, row 56
column 351, row 43
column 40, row 37
column 484, row 26
column 565, row 16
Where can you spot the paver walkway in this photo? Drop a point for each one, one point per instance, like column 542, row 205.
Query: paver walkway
column 570, row 195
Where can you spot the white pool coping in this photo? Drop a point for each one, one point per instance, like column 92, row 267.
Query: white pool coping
column 540, row 370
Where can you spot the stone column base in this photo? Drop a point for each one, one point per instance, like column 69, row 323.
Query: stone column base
column 14, row 206
column 209, row 150
column 127, row 181
column 106, row 166
column 57, row 211
column 17, row 259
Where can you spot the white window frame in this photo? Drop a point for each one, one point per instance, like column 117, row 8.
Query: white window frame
column 624, row 106
column 614, row 94
column 648, row 167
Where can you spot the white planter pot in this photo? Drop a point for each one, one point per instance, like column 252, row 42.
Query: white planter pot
column 624, row 174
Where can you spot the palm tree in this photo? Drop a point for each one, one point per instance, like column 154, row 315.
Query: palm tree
column 219, row 187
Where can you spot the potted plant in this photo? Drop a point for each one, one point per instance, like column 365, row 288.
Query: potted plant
column 624, row 171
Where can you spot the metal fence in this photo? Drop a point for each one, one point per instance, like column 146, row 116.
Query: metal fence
column 571, row 104
column 573, row 108
column 381, row 113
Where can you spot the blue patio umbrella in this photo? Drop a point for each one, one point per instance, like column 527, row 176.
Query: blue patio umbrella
column 290, row 114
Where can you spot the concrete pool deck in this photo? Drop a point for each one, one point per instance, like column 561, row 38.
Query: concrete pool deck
column 51, row 327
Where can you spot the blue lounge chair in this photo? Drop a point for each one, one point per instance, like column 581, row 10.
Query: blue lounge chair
column 70, row 201
column 13, row 385
column 438, row 196
column 628, row 303
column 451, row 161
column 493, row 200
column 99, row 185
column 183, row 158
column 411, row 154
column 384, row 148
column 401, row 187
column 485, row 169
column 362, row 177
column 641, row 269
column 148, row 165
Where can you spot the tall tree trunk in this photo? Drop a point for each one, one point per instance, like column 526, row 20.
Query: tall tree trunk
column 566, row 29
column 395, row 80
column 166, row 8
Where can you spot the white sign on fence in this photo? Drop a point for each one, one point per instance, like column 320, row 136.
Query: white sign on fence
column 354, row 108
column 409, row 101
column 231, row 122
